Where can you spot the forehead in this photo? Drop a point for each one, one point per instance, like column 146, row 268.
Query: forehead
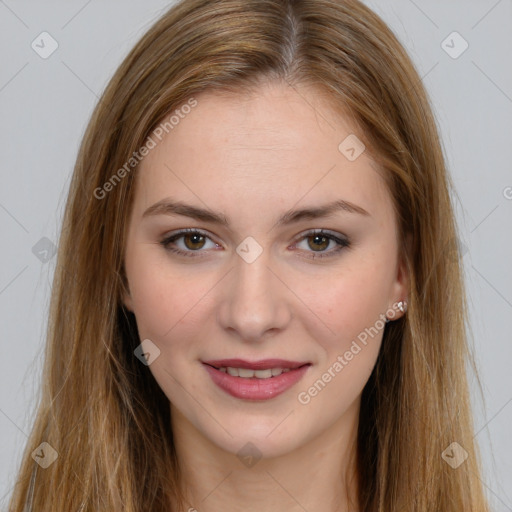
column 274, row 144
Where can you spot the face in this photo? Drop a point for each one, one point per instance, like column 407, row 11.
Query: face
column 268, row 312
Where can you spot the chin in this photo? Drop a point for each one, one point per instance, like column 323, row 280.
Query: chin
column 258, row 437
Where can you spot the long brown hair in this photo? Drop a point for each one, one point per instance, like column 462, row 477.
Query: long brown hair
column 101, row 409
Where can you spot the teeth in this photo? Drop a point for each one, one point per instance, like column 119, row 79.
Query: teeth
column 246, row 373
column 262, row 374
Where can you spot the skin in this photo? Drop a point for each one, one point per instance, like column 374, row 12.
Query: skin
column 254, row 156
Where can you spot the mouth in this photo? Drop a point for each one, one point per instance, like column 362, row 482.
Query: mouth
column 258, row 380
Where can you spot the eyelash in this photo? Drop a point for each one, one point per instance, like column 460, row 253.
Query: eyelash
column 342, row 242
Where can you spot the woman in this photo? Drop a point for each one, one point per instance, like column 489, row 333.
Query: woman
column 253, row 307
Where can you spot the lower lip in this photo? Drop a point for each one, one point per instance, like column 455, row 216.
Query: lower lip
column 254, row 388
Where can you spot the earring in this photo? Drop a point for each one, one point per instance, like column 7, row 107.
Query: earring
column 402, row 306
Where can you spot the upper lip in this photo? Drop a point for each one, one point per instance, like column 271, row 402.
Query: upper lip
column 255, row 365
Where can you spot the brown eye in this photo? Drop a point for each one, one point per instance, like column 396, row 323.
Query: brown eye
column 194, row 241
column 189, row 242
column 319, row 242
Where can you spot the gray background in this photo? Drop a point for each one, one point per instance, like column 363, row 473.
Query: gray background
column 46, row 103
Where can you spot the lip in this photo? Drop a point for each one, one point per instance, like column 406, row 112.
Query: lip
column 255, row 365
column 254, row 388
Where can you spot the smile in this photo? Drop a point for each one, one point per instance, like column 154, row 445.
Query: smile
column 246, row 373
column 261, row 380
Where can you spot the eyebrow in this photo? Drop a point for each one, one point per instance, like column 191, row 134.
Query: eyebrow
column 169, row 207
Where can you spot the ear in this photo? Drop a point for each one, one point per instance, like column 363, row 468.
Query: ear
column 401, row 285
column 127, row 301
column 126, row 297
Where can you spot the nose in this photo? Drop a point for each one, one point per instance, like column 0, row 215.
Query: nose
column 255, row 301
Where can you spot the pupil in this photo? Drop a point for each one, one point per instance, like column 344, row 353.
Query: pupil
column 319, row 237
column 194, row 239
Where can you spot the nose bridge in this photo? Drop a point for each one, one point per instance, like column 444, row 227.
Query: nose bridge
column 255, row 300
column 253, row 279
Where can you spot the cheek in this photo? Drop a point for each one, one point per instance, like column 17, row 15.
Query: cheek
column 351, row 300
column 353, row 307
column 166, row 305
column 170, row 302
column 158, row 297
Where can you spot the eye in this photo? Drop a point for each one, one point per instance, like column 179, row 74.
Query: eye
column 193, row 241
column 319, row 240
